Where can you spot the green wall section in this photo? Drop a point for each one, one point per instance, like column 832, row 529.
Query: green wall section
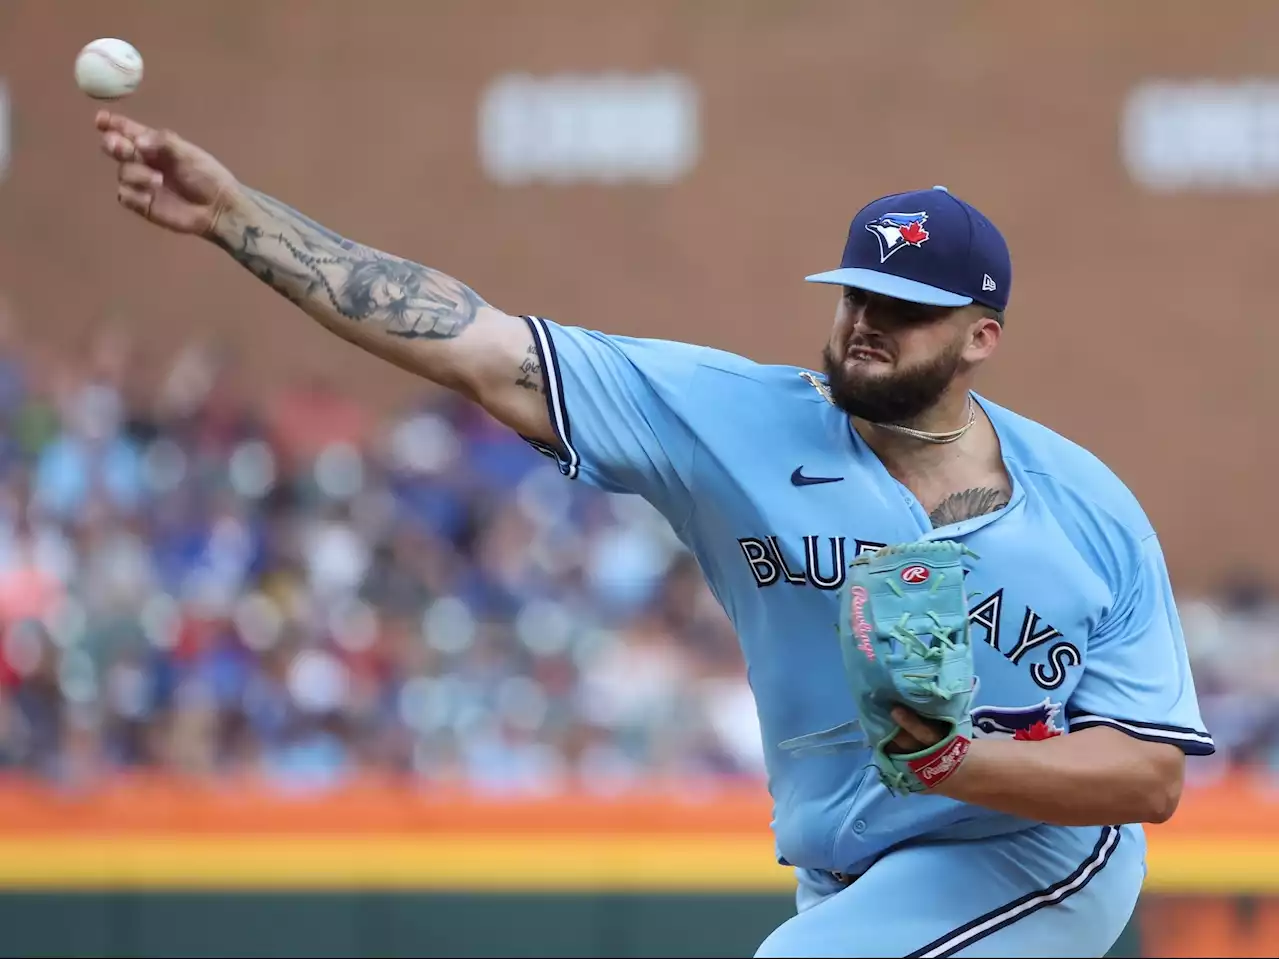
column 140, row 925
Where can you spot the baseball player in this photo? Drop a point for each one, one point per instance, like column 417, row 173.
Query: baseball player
column 1011, row 830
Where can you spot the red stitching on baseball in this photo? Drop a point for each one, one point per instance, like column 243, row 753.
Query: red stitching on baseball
column 114, row 63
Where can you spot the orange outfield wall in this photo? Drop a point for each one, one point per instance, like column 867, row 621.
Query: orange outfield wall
column 156, row 832
column 1237, row 807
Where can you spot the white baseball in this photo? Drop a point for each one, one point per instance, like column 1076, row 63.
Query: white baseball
column 108, row 69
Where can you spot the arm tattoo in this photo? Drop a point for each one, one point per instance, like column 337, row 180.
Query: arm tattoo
column 339, row 281
column 968, row 504
column 531, row 372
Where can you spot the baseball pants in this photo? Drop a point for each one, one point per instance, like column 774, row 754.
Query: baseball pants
column 1046, row 891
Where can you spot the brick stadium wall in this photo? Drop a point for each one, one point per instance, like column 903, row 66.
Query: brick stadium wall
column 1142, row 325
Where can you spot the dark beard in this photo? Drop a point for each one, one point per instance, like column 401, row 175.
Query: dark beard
column 896, row 398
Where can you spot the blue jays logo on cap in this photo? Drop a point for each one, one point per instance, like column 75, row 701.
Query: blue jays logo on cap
column 897, row 231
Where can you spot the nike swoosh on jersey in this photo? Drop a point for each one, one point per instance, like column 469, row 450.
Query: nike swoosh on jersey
column 799, row 479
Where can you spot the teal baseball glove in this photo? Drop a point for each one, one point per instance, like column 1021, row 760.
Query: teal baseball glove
column 904, row 635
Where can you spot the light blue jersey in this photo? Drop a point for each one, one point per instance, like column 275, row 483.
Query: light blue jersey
column 773, row 491
column 770, row 488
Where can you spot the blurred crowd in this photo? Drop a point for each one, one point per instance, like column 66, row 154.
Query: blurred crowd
column 297, row 590
column 292, row 588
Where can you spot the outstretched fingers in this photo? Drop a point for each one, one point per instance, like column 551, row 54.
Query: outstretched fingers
column 124, row 139
column 109, row 122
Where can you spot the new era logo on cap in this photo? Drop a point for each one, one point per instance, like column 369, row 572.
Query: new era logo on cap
column 926, row 246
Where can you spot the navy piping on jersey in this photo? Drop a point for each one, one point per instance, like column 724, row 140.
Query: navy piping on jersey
column 568, row 460
column 1020, row 908
column 1193, row 742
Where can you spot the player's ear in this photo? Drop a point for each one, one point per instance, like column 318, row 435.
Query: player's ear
column 984, row 333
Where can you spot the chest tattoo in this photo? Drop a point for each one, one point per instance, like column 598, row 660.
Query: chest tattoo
column 968, row 504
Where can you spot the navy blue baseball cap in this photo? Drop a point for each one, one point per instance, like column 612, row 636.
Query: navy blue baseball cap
column 925, row 246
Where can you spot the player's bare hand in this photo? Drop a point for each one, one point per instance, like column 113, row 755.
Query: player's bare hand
column 163, row 178
column 917, row 733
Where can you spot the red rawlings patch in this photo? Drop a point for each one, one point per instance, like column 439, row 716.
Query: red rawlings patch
column 934, row 769
column 915, row 574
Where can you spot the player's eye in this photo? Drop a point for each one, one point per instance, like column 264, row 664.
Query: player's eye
column 912, row 313
column 903, row 313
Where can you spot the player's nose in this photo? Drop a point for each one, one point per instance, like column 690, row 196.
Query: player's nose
column 864, row 322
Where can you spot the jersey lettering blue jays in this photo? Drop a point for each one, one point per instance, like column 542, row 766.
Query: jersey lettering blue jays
column 1071, row 612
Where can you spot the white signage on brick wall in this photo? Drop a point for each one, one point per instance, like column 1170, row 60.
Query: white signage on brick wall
column 601, row 128
column 1202, row 135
